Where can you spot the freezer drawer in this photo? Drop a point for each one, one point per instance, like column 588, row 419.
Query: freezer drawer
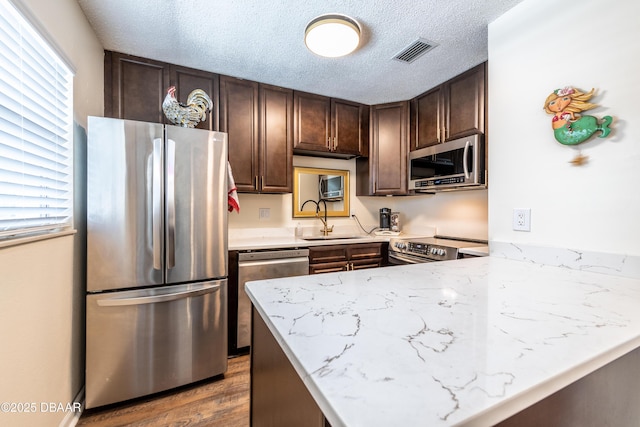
column 145, row 341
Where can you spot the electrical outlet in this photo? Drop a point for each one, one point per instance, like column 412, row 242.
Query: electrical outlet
column 522, row 219
column 264, row 214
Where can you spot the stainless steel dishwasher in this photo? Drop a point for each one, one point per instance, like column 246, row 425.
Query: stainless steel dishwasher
column 261, row 265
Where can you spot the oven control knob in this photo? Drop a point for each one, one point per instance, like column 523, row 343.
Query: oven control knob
column 434, row 251
column 441, row 252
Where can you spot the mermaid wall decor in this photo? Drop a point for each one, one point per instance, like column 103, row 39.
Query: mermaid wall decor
column 569, row 127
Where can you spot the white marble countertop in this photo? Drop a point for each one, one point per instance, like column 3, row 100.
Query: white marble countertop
column 467, row 342
column 275, row 238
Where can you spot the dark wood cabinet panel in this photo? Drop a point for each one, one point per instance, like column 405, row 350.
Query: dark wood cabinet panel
column 258, row 119
column 327, row 254
column 276, row 139
column 347, row 118
column 279, row 398
column 453, row 110
column 465, row 104
column 356, row 256
column 427, row 112
column 186, row 80
column 134, row 87
column 239, row 118
column 385, row 171
column 329, row 127
column 311, row 122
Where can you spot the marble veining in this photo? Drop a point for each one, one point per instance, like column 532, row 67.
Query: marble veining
column 597, row 262
column 467, row 342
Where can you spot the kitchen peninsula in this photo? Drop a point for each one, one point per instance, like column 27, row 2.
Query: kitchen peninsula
column 469, row 342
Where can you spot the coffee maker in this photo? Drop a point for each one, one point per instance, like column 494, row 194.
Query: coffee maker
column 385, row 219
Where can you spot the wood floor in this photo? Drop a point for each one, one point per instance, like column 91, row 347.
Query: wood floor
column 222, row 402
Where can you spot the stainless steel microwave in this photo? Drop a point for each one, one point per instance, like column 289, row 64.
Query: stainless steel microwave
column 331, row 187
column 453, row 165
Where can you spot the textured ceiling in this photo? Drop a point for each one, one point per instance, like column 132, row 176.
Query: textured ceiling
column 262, row 40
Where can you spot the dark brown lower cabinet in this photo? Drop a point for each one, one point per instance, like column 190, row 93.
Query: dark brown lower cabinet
column 279, row 398
column 357, row 256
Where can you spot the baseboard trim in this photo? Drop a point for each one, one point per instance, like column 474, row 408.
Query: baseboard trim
column 72, row 418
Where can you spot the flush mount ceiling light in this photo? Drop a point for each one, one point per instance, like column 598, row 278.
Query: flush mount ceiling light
column 332, row 35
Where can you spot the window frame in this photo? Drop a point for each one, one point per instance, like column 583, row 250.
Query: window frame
column 42, row 43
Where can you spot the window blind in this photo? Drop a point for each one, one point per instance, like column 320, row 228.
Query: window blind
column 36, row 130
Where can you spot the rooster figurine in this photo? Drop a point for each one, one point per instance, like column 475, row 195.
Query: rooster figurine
column 190, row 114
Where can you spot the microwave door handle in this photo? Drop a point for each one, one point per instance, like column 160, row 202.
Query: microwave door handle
column 467, row 175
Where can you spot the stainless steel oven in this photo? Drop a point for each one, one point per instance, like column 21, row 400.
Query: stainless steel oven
column 403, row 251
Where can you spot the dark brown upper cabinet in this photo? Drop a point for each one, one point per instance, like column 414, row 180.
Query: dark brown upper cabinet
column 329, row 127
column 452, row 110
column 258, row 120
column 134, row 87
column 385, row 171
column 186, row 80
column 276, row 139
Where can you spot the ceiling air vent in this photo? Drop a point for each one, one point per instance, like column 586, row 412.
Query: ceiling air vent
column 414, row 51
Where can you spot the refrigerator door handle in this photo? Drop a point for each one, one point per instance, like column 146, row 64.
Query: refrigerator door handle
column 171, row 204
column 118, row 302
column 156, row 200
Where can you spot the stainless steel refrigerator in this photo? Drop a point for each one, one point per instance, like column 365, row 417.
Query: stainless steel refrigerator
column 156, row 258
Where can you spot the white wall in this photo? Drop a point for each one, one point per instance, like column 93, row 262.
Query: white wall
column 459, row 214
column 535, row 48
column 43, row 284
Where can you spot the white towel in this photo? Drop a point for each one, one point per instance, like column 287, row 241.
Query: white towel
column 232, row 194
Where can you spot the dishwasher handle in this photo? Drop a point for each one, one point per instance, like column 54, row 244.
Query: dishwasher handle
column 153, row 299
column 273, row 255
column 273, row 262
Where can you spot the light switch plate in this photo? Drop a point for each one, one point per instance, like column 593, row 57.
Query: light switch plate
column 522, row 219
column 264, row 214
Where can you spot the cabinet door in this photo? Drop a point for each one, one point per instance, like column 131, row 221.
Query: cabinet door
column 239, row 118
column 134, row 87
column 186, row 80
column 346, row 124
column 276, row 139
column 311, row 122
column 388, row 159
column 426, row 117
column 465, row 104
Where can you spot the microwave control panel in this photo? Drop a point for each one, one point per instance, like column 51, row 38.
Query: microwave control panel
column 440, row 181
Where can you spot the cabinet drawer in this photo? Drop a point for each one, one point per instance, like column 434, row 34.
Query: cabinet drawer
column 365, row 263
column 363, row 251
column 327, row 267
column 323, row 254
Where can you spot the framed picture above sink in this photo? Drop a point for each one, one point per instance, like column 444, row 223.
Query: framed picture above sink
column 313, row 185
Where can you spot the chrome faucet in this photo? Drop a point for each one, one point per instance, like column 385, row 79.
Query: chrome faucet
column 325, row 229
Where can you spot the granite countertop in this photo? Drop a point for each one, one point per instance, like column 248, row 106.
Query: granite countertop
column 467, row 342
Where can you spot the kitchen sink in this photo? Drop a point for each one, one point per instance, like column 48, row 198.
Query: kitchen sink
column 336, row 237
